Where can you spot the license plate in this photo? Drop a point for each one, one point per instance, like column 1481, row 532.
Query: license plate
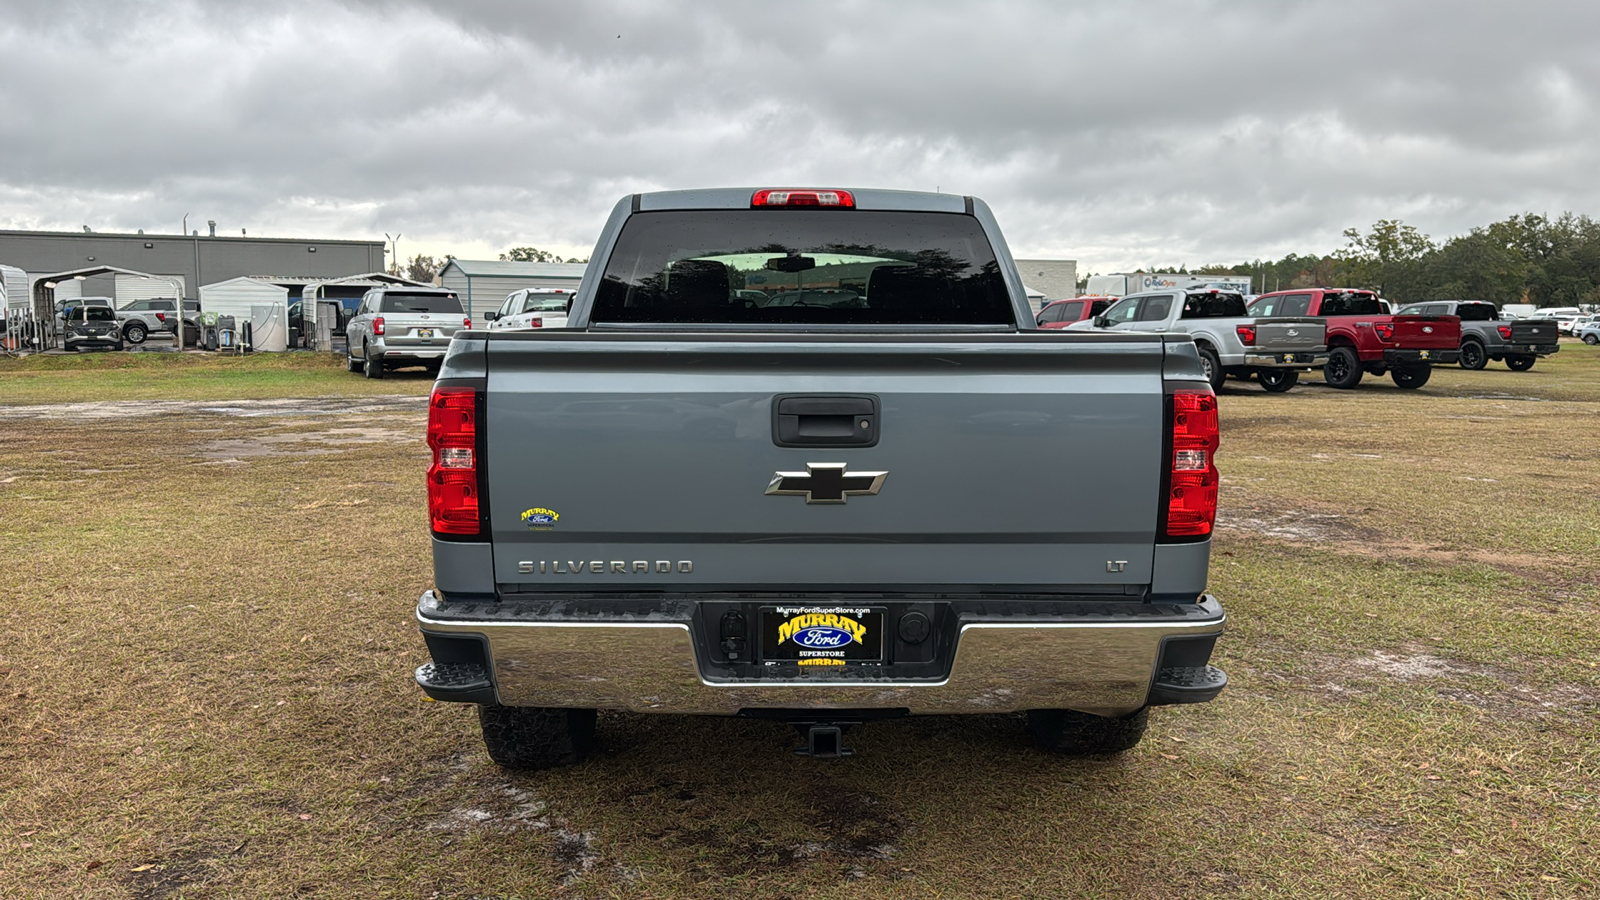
column 1531, row 348
column 425, row 333
column 1424, row 354
column 821, row 636
column 1288, row 357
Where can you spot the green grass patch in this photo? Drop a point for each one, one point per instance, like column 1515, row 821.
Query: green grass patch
column 94, row 377
column 205, row 682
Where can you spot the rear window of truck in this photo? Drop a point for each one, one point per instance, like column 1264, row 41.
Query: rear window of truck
column 802, row 266
column 1351, row 303
column 1213, row 306
column 419, row 303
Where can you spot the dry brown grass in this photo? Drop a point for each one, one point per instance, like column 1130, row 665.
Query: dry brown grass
column 205, row 688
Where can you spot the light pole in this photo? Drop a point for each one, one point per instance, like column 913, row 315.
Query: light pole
column 394, row 243
column 177, row 333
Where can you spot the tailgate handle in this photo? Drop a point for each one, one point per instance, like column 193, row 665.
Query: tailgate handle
column 825, row 420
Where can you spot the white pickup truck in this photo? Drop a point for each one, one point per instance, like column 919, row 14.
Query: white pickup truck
column 1230, row 341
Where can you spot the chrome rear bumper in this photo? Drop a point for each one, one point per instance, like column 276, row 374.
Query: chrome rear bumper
column 1287, row 360
column 1105, row 665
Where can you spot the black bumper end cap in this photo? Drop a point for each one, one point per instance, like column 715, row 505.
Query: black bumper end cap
column 1187, row 684
column 456, row 682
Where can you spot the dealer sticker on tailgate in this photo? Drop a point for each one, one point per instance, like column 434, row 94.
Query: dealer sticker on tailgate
column 821, row 635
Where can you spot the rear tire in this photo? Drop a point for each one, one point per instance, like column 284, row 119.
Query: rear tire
column 1212, row 367
column 372, row 368
column 536, row 737
column 1473, row 355
column 1343, row 369
column 1082, row 734
column 1520, row 363
column 1591, row 339
column 1276, row 381
column 1412, row 377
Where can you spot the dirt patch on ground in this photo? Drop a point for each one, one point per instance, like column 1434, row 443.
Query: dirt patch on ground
column 1496, row 690
column 1343, row 533
column 303, row 443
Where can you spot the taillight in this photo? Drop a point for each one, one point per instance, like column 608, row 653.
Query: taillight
column 466, row 322
column 1505, row 331
column 1191, row 480
column 453, row 476
column 377, row 325
column 536, row 322
column 1247, row 334
column 1384, row 331
column 833, row 199
column 161, row 317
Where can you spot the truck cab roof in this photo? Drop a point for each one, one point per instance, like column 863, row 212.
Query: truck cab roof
column 860, row 198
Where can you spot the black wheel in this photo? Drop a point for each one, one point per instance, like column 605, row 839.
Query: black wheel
column 1520, row 363
column 536, row 737
column 119, row 346
column 1212, row 367
column 1412, row 377
column 1066, row 731
column 351, row 364
column 1473, row 355
column 1343, row 369
column 1591, row 339
column 372, row 368
column 1277, row 381
column 135, row 333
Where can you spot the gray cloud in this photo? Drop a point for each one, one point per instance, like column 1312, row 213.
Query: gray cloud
column 1117, row 134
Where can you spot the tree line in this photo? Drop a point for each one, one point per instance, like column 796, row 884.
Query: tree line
column 424, row 268
column 1524, row 259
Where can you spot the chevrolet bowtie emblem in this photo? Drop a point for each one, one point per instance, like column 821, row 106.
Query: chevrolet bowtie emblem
column 826, row 482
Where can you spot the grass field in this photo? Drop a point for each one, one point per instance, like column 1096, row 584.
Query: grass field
column 192, row 376
column 205, row 679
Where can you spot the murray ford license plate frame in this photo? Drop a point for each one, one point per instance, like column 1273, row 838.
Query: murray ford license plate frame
column 822, row 635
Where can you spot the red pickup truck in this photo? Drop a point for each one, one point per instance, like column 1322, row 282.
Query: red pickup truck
column 1061, row 313
column 1363, row 338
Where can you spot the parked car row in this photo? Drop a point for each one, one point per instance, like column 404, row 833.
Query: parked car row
column 1271, row 338
column 133, row 322
column 1229, row 339
column 1346, row 333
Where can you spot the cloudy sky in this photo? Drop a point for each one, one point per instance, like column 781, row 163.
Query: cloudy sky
column 1115, row 133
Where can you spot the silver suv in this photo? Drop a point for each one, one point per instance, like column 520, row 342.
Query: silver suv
column 402, row 326
column 141, row 317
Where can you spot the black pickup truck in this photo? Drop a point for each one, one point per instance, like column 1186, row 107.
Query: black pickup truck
column 1485, row 336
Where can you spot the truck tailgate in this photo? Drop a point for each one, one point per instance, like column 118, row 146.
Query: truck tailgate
column 1427, row 332
column 1291, row 335
column 421, row 329
column 644, row 462
column 1534, row 331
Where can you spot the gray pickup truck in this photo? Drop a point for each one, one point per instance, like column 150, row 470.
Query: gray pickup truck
column 798, row 457
column 1485, row 336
